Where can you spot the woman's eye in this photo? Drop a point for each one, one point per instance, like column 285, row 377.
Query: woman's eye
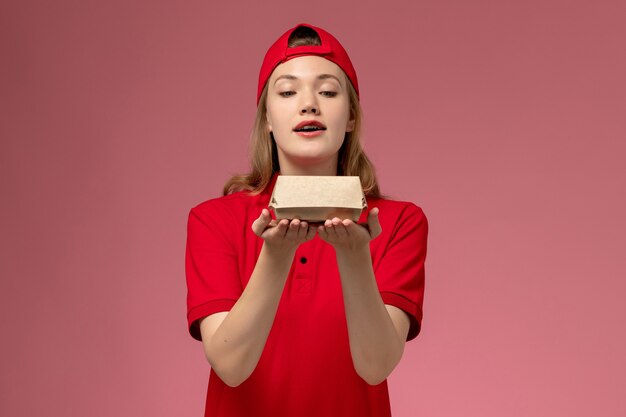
column 329, row 93
column 286, row 93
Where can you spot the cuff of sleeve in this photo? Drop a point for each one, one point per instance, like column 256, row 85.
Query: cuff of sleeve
column 203, row 310
column 409, row 307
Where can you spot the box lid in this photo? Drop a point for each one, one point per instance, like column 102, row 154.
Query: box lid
column 301, row 191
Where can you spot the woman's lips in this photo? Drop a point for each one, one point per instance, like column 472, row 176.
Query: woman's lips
column 309, row 123
column 310, row 134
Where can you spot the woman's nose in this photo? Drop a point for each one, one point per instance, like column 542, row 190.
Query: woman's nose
column 307, row 109
column 309, row 104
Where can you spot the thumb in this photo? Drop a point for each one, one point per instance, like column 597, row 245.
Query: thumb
column 374, row 223
column 259, row 225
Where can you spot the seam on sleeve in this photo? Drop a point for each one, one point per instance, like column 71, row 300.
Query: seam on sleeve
column 414, row 312
column 203, row 310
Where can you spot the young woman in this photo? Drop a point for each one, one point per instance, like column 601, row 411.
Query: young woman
column 301, row 319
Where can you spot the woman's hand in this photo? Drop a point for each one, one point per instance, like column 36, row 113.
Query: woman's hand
column 282, row 235
column 348, row 235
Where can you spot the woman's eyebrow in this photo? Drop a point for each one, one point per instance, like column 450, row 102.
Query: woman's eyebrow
column 319, row 77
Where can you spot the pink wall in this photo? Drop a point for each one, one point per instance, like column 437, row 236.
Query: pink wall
column 505, row 121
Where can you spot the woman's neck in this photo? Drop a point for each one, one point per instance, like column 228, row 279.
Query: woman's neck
column 325, row 168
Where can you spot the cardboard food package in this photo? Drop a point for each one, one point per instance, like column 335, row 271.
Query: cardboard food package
column 317, row 198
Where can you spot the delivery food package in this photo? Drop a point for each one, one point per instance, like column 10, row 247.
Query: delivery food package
column 317, row 198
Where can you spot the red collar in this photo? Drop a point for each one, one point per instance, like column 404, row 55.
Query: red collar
column 270, row 186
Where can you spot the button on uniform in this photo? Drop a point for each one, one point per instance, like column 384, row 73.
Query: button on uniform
column 302, row 274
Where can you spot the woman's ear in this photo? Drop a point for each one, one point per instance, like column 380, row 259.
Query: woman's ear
column 351, row 122
column 268, row 125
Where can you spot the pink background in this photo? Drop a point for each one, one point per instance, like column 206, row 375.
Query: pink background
column 504, row 120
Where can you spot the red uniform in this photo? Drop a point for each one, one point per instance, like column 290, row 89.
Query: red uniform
column 306, row 368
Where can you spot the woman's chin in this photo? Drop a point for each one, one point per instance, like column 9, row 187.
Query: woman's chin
column 310, row 158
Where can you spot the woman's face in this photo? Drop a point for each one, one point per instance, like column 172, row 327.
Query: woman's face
column 305, row 89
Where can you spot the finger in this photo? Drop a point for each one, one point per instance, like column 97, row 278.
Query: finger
column 321, row 230
column 339, row 227
column 330, row 229
column 294, row 227
column 310, row 234
column 304, row 228
column 281, row 228
column 348, row 225
column 259, row 225
column 374, row 223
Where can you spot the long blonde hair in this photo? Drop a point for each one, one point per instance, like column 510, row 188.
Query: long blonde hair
column 352, row 159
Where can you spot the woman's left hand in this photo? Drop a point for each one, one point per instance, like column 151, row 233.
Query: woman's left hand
column 348, row 235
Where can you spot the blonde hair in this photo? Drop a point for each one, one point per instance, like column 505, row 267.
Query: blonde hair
column 352, row 160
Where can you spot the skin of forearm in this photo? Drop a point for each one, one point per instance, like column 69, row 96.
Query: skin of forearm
column 375, row 345
column 238, row 343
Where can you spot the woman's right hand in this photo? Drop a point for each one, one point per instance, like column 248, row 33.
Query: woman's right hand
column 282, row 235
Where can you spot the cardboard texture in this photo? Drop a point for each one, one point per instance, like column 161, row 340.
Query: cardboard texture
column 317, row 198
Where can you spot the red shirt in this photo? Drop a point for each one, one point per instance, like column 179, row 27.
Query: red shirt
column 306, row 368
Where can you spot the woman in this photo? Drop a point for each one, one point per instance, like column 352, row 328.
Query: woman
column 298, row 319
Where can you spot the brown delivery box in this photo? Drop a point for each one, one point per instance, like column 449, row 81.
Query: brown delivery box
column 317, row 198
